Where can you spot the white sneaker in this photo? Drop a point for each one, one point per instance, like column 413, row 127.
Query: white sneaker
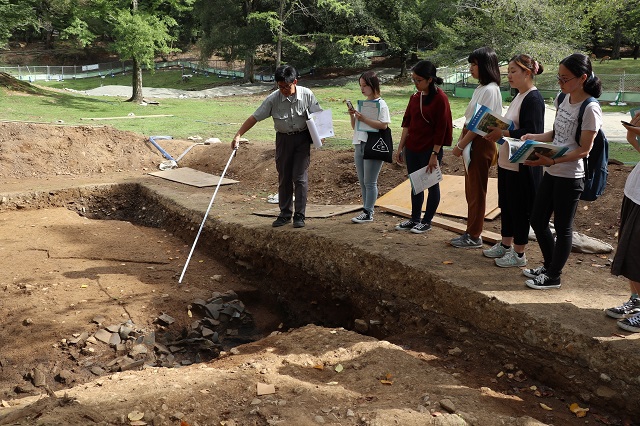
column 511, row 259
column 496, row 251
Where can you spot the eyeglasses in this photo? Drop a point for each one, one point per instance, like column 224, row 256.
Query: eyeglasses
column 285, row 86
column 563, row 80
column 417, row 80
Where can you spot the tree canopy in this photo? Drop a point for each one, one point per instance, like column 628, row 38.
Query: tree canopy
column 321, row 33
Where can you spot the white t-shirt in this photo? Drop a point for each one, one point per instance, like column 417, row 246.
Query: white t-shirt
column 383, row 116
column 632, row 185
column 488, row 96
column 513, row 113
column 565, row 125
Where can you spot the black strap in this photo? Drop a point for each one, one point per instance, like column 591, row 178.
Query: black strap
column 583, row 107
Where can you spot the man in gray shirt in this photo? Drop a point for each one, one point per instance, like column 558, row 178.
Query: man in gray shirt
column 289, row 106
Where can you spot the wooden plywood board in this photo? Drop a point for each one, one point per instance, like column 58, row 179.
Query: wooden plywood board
column 316, row 210
column 192, row 177
column 440, row 222
column 452, row 199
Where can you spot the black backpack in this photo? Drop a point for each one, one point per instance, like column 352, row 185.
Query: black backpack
column 595, row 164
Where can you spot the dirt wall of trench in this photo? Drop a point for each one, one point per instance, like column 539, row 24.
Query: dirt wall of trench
column 331, row 282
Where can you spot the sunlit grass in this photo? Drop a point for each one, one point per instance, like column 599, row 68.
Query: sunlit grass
column 218, row 117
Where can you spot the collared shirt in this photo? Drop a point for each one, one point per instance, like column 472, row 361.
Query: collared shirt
column 289, row 113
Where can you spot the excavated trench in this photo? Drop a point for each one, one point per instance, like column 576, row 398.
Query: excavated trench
column 334, row 284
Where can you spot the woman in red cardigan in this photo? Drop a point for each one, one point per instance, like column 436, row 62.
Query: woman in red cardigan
column 426, row 128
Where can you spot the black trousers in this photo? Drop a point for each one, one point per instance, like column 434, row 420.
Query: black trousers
column 293, row 154
column 558, row 196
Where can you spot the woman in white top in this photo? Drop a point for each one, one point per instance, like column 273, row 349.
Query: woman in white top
column 368, row 170
column 517, row 183
column 563, row 182
column 483, row 64
column 627, row 259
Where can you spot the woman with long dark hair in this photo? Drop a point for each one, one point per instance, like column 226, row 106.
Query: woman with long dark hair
column 426, row 128
column 483, row 64
column 627, row 259
column 563, row 182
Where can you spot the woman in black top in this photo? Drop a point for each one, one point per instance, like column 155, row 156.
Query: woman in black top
column 517, row 183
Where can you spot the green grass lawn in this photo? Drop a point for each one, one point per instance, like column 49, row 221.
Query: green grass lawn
column 213, row 117
column 619, row 66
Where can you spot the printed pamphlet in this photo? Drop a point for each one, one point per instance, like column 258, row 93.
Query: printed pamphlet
column 320, row 126
column 485, row 118
column 370, row 109
column 421, row 179
column 521, row 151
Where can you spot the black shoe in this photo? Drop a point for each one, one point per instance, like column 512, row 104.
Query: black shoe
column 363, row 217
column 543, row 282
column 407, row 225
column 281, row 221
column 298, row 220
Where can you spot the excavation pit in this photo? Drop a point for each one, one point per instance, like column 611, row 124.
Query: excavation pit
column 444, row 306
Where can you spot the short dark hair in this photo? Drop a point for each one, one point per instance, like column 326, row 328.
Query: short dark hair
column 286, row 73
column 487, row 61
column 579, row 65
column 371, row 79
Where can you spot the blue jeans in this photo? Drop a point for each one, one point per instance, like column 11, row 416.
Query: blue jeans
column 368, row 171
column 416, row 161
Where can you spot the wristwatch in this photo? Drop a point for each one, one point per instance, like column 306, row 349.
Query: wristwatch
column 435, row 152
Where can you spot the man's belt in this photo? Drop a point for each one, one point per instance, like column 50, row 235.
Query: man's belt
column 295, row 132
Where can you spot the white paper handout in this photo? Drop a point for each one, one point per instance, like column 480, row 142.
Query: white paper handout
column 421, row 179
column 369, row 109
column 320, row 126
column 466, row 156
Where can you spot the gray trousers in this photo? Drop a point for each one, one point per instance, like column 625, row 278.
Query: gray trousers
column 292, row 162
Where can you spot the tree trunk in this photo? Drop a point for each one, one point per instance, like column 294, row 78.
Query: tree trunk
column 249, row 67
column 136, row 82
column 280, row 31
column 403, row 64
column 617, row 42
column 636, row 50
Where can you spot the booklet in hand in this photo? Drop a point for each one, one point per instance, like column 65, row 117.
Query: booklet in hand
column 369, row 109
column 485, row 118
column 421, row 179
column 521, row 151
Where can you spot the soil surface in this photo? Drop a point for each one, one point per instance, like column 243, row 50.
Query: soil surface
column 65, row 275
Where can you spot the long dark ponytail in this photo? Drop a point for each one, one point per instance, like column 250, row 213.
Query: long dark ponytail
column 579, row 65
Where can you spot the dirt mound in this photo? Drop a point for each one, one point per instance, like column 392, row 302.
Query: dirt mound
column 41, row 150
column 15, row 85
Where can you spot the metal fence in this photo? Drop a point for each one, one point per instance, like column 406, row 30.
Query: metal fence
column 457, row 81
column 111, row 69
column 616, row 87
